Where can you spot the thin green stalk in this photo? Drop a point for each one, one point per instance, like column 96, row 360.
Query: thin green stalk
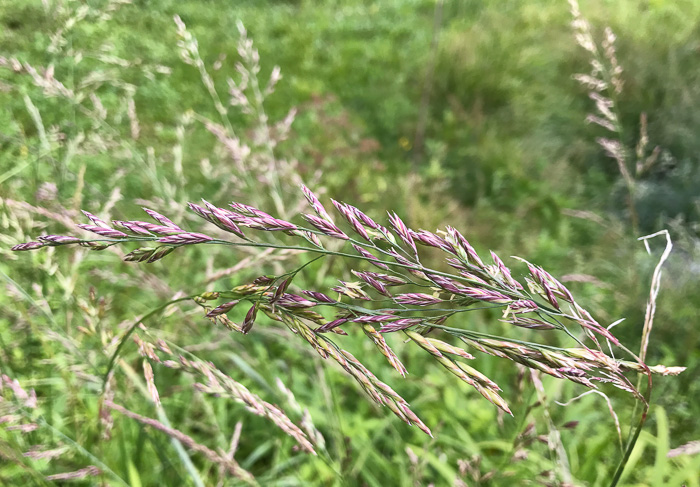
column 635, row 435
column 130, row 330
column 163, row 418
column 96, row 461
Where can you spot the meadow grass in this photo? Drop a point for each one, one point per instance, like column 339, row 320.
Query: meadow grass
column 103, row 115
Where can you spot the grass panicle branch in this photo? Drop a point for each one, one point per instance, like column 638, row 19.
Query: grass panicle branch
column 407, row 297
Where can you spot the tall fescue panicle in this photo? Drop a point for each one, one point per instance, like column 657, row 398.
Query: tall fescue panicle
column 217, row 383
column 254, row 156
column 19, row 412
column 606, row 85
column 421, row 298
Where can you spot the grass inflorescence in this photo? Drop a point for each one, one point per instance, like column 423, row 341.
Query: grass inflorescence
column 407, row 297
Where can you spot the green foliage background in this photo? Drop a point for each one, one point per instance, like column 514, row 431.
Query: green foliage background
column 507, row 158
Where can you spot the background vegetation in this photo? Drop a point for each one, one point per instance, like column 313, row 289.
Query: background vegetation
column 465, row 114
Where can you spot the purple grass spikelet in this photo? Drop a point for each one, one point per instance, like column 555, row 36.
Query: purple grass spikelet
column 402, row 231
column 417, row 299
column 315, row 204
column 249, row 211
column 464, row 248
column 364, row 218
column 28, row 246
column 185, row 239
column 326, row 227
column 400, row 324
column 351, row 219
column 134, row 227
column 96, row 221
column 522, row 306
column 448, row 284
column 320, row 297
column 381, row 288
column 222, row 219
column 331, row 325
column 487, row 295
column 431, row 240
column 148, row 254
column 222, row 308
column 505, row 272
column 374, row 318
column 163, row 220
column 58, row 239
column 201, row 212
column 103, row 231
column 249, row 319
column 159, row 253
column 294, row 301
column 368, row 255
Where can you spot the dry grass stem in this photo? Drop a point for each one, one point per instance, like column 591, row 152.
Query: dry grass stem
column 230, row 465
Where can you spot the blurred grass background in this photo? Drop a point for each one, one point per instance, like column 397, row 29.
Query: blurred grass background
column 500, row 150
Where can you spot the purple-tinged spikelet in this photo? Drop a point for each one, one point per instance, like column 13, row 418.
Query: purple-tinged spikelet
column 281, row 289
column 402, row 231
column 541, row 279
column 315, row 204
column 148, row 254
column 431, row 240
column 505, row 272
column 531, row 323
column 96, row 221
column 401, row 259
column 366, row 276
column 28, row 246
column 58, row 239
column 370, row 256
column 351, row 219
column 331, row 325
column 103, row 231
column 522, row 306
column 200, row 211
column 374, row 318
column 320, row 297
column 222, row 308
column 472, row 277
column 157, row 229
column 456, row 264
column 263, row 280
column 223, row 219
column 417, row 299
column 464, row 248
column 448, row 284
column 545, row 278
column 185, row 239
column 326, row 227
column 159, row 253
column 400, row 324
column 249, row 320
column 163, row 220
column 487, row 295
column 93, row 245
column 309, row 236
column 387, row 279
column 294, row 301
column 364, row 218
column 134, row 227
column 249, row 211
column 276, row 224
